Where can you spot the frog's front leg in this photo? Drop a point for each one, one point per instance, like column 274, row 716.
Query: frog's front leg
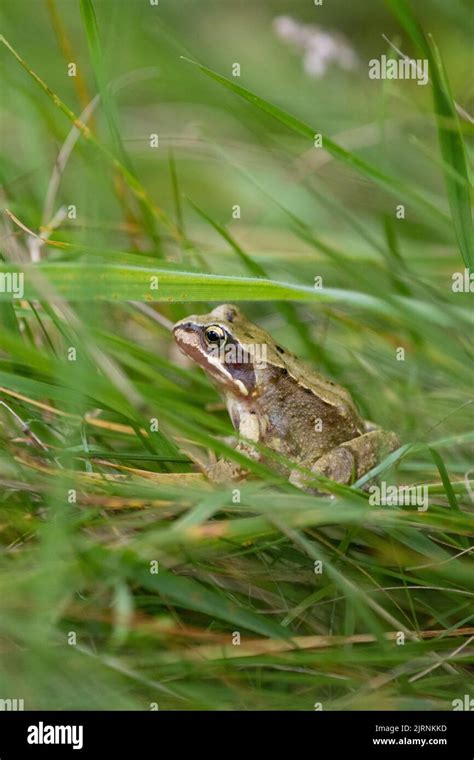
column 350, row 460
column 249, row 427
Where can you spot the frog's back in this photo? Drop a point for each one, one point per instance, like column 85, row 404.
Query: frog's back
column 306, row 417
column 327, row 390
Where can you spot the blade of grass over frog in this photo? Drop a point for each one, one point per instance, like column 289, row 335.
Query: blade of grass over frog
column 449, row 132
column 391, row 459
column 392, row 184
column 93, row 37
column 199, row 435
column 118, row 283
column 136, row 187
column 188, row 425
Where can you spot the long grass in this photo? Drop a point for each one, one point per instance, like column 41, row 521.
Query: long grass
column 127, row 579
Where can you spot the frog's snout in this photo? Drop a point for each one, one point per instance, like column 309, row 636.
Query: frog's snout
column 186, row 335
column 183, row 325
column 184, row 329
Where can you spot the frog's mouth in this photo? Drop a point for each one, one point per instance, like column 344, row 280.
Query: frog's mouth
column 237, row 379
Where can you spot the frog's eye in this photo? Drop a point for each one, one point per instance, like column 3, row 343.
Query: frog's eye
column 214, row 335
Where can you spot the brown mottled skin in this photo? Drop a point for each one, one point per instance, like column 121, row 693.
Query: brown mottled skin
column 280, row 402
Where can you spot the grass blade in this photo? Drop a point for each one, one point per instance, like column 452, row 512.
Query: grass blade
column 95, row 47
column 389, row 183
column 449, row 133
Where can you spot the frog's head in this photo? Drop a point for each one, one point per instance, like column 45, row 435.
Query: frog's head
column 227, row 347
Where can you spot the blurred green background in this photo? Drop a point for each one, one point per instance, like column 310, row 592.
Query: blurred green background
column 89, row 494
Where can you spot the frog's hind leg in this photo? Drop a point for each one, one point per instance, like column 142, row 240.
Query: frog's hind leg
column 350, row 460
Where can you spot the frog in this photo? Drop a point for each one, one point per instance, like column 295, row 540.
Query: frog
column 281, row 404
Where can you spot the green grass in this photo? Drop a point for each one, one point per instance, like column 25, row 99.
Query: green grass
column 124, row 575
